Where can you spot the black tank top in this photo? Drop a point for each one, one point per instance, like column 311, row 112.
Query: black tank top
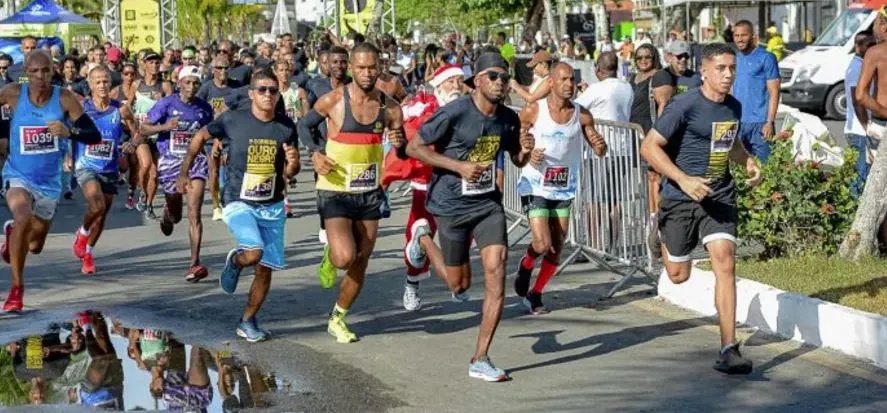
column 147, row 89
column 351, row 125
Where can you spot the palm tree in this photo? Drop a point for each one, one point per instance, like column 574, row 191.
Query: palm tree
column 88, row 8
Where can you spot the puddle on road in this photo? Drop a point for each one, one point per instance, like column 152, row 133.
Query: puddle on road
column 95, row 361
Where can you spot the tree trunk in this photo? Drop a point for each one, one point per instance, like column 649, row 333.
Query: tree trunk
column 549, row 20
column 532, row 20
column 862, row 239
column 207, row 29
column 601, row 19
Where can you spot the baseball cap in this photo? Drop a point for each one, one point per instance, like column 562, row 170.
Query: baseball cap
column 186, row 71
column 151, row 56
column 187, row 54
column 114, row 54
column 484, row 62
column 539, row 57
column 678, row 47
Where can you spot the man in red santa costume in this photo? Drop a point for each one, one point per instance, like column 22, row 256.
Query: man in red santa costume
column 420, row 251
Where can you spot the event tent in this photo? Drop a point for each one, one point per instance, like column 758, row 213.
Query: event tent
column 49, row 22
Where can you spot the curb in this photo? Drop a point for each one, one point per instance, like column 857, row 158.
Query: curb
column 789, row 315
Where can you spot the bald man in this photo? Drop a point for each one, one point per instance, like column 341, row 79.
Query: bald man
column 38, row 137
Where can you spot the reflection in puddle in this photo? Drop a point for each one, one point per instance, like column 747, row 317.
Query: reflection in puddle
column 86, row 361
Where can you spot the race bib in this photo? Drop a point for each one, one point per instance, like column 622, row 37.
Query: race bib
column 486, row 183
column 103, row 150
column 34, row 359
column 723, row 134
column 361, row 177
column 179, row 142
column 257, row 187
column 37, row 140
column 556, row 177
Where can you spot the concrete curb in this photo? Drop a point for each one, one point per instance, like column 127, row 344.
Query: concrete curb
column 790, row 315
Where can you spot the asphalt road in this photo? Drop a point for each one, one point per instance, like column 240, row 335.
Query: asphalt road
column 632, row 353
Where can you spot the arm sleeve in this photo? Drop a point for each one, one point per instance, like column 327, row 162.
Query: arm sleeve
column 672, row 120
column 85, row 131
column 306, row 127
column 437, row 130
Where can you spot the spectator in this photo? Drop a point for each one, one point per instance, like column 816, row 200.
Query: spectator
column 775, row 44
column 857, row 115
column 5, row 63
column 610, row 98
column 541, row 65
column 605, row 45
column 505, row 49
column 678, row 55
column 756, row 85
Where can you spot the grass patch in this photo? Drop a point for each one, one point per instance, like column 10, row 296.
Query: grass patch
column 860, row 285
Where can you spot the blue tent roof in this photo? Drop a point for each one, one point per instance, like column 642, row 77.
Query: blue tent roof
column 44, row 12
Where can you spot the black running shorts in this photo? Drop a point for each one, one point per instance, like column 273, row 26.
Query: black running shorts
column 454, row 234
column 683, row 223
column 362, row 206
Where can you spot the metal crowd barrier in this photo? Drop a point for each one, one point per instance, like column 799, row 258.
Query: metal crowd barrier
column 610, row 213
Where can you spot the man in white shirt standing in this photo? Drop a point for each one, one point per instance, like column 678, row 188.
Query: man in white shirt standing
column 610, row 98
column 857, row 115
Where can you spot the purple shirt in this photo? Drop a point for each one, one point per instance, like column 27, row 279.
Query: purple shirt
column 192, row 117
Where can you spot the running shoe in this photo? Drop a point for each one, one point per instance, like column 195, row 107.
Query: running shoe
column 654, row 243
column 217, row 214
column 484, row 369
column 414, row 252
column 533, row 302
column 462, row 297
column 231, row 273
column 15, row 300
column 251, row 332
column 327, row 273
column 150, row 215
column 196, row 273
column 166, row 224
column 411, row 299
column 522, row 281
column 287, row 210
column 130, row 202
column 4, row 249
column 80, row 242
column 385, row 206
column 87, row 266
column 142, row 205
column 730, row 361
column 338, row 329
column 69, row 195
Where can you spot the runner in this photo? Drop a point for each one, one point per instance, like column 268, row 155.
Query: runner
column 149, row 90
column 96, row 166
column 467, row 136
column 262, row 156
column 420, row 251
column 548, row 185
column 349, row 165
column 690, row 145
column 176, row 119
column 214, row 92
column 32, row 171
column 295, row 102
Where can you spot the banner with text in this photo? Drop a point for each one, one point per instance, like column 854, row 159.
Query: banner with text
column 140, row 25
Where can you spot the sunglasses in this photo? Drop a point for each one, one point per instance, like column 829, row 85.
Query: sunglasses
column 4, row 67
column 221, row 67
column 494, row 76
column 682, row 56
column 271, row 90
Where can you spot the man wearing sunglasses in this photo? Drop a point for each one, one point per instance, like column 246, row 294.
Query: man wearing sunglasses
column 176, row 119
column 262, row 156
column 678, row 55
column 462, row 141
column 214, row 91
column 349, row 165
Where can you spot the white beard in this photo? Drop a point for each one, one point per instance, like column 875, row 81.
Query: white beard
column 444, row 98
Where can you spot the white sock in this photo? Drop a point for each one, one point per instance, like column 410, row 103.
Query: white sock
column 84, row 232
column 89, row 249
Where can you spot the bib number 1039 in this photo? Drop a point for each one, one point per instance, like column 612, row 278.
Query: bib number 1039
column 37, row 140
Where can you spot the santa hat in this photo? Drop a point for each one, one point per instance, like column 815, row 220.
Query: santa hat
column 445, row 72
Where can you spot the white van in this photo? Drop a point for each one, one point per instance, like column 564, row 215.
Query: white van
column 813, row 78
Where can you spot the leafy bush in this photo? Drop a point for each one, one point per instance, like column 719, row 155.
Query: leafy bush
column 799, row 207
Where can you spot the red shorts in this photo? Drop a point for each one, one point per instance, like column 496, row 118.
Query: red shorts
column 417, row 213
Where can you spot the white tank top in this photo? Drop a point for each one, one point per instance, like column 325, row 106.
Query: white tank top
column 556, row 177
column 537, row 81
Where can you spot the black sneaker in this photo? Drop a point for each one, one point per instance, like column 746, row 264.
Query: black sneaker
column 533, row 302
column 166, row 226
column 522, row 281
column 69, row 195
column 730, row 361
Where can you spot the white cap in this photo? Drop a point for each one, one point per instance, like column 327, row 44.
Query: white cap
column 186, row 71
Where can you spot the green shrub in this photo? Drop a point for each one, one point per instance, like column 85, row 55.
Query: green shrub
column 799, row 207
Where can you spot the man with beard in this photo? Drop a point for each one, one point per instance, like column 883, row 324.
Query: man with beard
column 176, row 119
column 420, row 251
column 32, row 172
column 96, row 166
column 678, row 56
column 214, row 91
column 461, row 142
column 349, row 166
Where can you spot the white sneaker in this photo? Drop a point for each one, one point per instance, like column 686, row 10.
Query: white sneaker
column 461, row 298
column 321, row 236
column 411, row 299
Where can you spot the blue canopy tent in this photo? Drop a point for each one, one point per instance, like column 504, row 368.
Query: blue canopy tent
column 49, row 23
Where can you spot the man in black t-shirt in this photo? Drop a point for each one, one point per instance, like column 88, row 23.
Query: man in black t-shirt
column 214, row 91
column 678, row 55
column 462, row 141
column 691, row 145
column 262, row 156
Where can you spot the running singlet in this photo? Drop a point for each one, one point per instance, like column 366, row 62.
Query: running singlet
column 357, row 150
column 35, row 155
column 101, row 157
column 555, row 177
column 191, row 117
column 145, row 101
column 256, row 158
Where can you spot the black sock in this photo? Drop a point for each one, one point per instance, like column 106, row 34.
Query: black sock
column 416, row 283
